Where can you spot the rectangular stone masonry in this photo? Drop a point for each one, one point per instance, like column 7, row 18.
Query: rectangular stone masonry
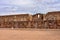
column 51, row 20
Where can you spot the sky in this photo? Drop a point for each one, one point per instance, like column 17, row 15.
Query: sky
column 8, row 7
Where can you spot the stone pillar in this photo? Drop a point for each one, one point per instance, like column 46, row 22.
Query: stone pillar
column 29, row 24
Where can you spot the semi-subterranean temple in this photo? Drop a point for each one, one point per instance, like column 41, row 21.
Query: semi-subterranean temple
column 51, row 20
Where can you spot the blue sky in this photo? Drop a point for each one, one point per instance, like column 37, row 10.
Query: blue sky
column 28, row 6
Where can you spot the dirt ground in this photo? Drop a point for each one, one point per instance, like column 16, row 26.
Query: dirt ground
column 22, row 34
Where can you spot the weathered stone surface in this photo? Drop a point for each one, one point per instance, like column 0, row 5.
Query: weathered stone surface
column 50, row 20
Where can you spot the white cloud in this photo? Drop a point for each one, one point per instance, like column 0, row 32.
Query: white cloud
column 49, row 1
column 21, row 2
column 49, row 5
column 27, row 3
column 32, row 6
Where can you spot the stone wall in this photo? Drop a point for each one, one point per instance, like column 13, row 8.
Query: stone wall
column 51, row 20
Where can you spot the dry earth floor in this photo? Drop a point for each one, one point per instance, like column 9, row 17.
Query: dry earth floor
column 29, row 34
